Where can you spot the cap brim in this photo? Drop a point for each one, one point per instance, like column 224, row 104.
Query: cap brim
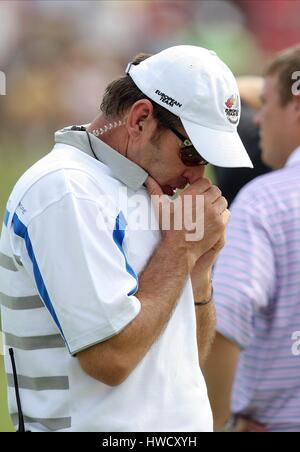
column 218, row 147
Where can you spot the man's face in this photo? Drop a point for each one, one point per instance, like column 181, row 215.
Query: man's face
column 166, row 166
column 274, row 121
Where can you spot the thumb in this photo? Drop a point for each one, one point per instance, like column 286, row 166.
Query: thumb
column 153, row 187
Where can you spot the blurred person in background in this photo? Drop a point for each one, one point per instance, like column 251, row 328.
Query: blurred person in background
column 274, row 23
column 111, row 321
column 231, row 180
column 253, row 372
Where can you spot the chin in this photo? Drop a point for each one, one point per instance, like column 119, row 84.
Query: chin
column 269, row 161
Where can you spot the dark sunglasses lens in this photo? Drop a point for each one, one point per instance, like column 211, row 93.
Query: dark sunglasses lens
column 190, row 157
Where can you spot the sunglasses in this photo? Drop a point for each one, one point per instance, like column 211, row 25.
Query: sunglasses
column 188, row 153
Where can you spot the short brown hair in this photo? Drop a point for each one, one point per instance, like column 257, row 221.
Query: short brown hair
column 284, row 65
column 123, row 92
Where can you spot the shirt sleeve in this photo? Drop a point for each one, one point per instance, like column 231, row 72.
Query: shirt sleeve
column 244, row 276
column 81, row 271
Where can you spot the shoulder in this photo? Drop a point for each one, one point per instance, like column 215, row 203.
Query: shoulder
column 60, row 173
column 270, row 191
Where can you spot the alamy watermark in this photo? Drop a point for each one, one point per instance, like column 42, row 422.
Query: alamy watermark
column 2, row 84
column 296, row 343
column 296, row 84
column 183, row 213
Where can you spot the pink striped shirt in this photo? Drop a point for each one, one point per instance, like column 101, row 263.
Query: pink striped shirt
column 257, row 294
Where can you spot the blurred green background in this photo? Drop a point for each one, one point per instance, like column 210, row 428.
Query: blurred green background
column 11, row 168
column 5, row 424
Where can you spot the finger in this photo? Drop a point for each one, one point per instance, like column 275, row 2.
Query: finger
column 199, row 187
column 226, row 216
column 220, row 205
column 220, row 243
column 153, row 187
column 213, row 194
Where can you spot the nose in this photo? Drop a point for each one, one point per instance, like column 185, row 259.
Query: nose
column 192, row 174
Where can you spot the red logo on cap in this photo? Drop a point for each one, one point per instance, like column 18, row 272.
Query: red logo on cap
column 231, row 101
column 232, row 110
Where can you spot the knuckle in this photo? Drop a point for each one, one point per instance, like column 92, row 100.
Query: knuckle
column 222, row 242
column 221, row 223
column 216, row 220
column 224, row 200
column 206, row 181
column 204, row 185
column 217, row 190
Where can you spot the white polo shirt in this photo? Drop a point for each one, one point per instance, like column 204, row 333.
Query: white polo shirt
column 70, row 253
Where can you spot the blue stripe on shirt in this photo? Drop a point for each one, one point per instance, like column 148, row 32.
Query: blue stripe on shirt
column 6, row 217
column 21, row 230
column 118, row 236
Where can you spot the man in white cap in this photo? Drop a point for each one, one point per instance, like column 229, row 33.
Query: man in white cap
column 107, row 321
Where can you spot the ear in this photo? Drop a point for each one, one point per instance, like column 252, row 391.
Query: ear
column 137, row 117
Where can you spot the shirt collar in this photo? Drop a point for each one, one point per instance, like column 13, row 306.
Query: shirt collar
column 294, row 158
column 123, row 169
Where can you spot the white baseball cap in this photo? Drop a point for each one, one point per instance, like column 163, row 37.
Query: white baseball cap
column 195, row 85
